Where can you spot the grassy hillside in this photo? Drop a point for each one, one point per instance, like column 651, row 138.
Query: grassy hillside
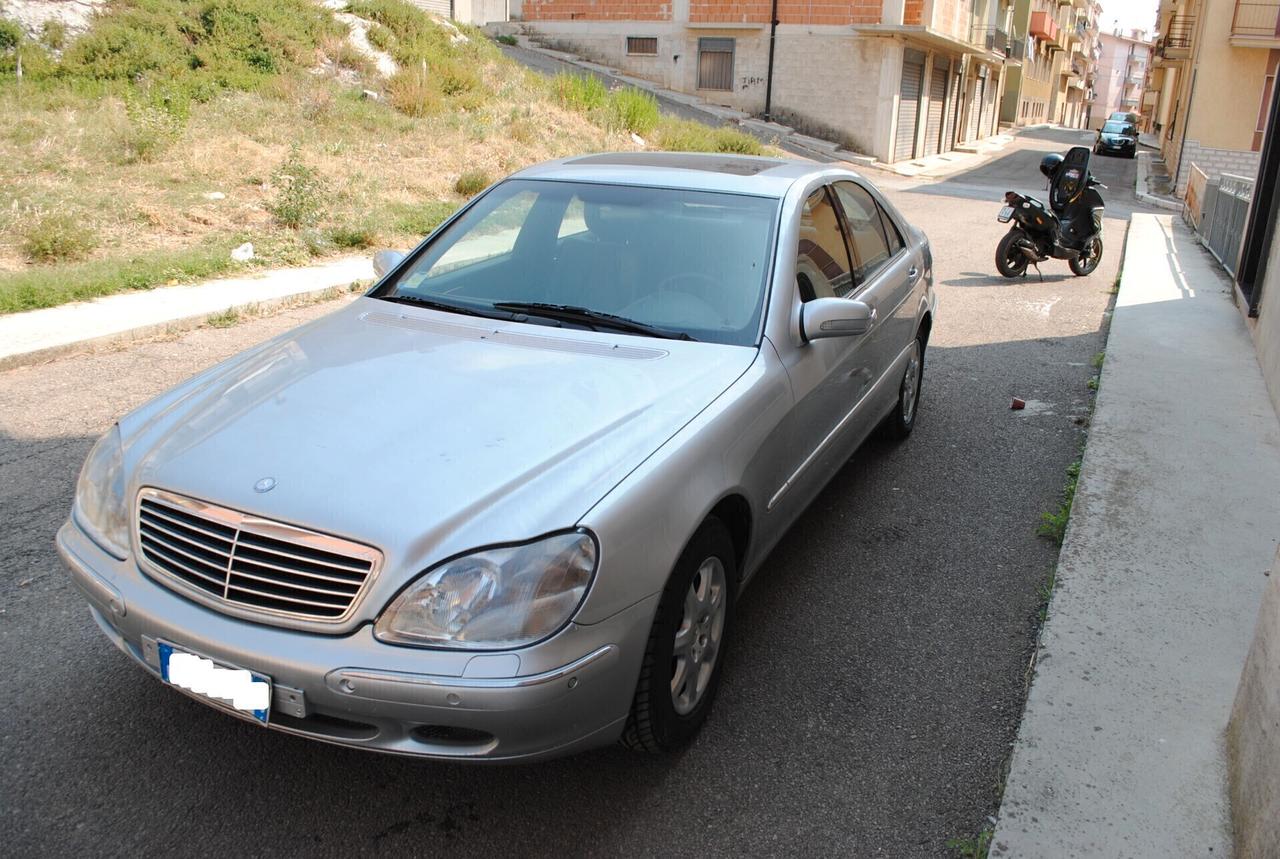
column 140, row 152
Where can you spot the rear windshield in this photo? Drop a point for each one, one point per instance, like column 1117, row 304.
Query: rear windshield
column 1118, row 128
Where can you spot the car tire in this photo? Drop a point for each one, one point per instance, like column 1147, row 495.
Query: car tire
column 1010, row 261
column 665, row 716
column 902, row 420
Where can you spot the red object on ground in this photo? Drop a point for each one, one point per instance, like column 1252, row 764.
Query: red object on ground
column 1018, row 404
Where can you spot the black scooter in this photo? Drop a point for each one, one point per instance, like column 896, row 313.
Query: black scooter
column 1070, row 228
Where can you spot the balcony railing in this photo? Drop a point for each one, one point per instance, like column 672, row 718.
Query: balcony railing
column 1259, row 19
column 1177, row 36
column 991, row 38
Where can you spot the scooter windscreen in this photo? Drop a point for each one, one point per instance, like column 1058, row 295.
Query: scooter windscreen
column 1071, row 179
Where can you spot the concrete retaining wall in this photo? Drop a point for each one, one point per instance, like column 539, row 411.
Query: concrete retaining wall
column 1253, row 737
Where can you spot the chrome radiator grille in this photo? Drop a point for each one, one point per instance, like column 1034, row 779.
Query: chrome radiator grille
column 252, row 564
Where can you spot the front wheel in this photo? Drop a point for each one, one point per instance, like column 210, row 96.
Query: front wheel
column 1010, row 260
column 1089, row 257
column 681, row 668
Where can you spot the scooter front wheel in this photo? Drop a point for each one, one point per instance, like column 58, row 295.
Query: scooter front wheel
column 1088, row 260
column 1010, row 260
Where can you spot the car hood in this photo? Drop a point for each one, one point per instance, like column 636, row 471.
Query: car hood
column 425, row 433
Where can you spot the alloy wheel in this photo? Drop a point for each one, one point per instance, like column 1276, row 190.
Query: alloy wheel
column 697, row 640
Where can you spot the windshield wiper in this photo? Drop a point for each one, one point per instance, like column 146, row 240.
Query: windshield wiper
column 593, row 319
column 446, row 306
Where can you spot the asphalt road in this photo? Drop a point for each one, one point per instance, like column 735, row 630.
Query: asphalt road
column 869, row 702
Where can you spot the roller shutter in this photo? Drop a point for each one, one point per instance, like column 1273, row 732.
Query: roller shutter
column 909, row 104
column 975, row 109
column 937, row 106
column 443, row 8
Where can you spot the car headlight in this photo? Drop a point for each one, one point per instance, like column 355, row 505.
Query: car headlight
column 99, row 507
column 495, row 598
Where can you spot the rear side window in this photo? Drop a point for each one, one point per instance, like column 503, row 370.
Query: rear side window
column 822, row 260
column 871, row 245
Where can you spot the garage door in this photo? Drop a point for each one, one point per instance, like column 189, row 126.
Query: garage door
column 909, row 105
column 975, row 108
column 937, row 106
column 443, row 8
column 953, row 110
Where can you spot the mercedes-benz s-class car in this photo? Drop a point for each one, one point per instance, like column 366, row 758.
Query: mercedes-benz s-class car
column 501, row 507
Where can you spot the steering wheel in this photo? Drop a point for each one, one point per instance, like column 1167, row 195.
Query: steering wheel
column 675, row 309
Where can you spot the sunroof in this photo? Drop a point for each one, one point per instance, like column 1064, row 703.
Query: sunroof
column 682, row 161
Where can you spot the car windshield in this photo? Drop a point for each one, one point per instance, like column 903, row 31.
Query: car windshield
column 1117, row 128
column 659, row 261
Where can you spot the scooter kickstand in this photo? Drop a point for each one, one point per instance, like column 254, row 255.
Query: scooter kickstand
column 1039, row 273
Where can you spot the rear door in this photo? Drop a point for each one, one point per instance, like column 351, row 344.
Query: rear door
column 886, row 273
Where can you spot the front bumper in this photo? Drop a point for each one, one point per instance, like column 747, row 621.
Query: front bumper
column 356, row 691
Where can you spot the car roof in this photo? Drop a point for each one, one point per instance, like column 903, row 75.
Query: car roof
column 735, row 174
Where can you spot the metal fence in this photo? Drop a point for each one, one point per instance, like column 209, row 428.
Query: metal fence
column 1224, row 210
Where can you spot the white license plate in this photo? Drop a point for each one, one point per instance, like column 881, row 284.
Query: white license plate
column 225, row 686
column 1005, row 214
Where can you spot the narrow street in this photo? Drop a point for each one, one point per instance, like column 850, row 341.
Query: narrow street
column 869, row 702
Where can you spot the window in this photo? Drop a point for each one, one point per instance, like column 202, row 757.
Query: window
column 866, row 230
column 822, row 261
column 642, row 46
column 715, row 64
column 492, row 236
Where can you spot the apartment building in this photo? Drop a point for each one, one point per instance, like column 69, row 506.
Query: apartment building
column 1053, row 82
column 1214, row 66
column 897, row 79
column 1120, row 77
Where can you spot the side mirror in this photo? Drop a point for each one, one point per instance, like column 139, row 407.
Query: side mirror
column 835, row 317
column 384, row 261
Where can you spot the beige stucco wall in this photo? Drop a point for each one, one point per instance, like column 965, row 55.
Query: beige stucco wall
column 1253, row 736
column 1228, row 85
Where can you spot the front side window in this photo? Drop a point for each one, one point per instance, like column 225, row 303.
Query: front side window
column 866, row 230
column 822, row 260
column 686, row 263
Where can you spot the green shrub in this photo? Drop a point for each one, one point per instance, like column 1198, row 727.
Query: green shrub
column 380, row 37
column 58, row 238
column 358, row 235
column 472, row 182
column 684, row 135
column 201, row 47
column 54, row 34
column 420, row 219
column 155, row 119
column 583, row 93
column 300, row 193
column 11, row 35
column 508, row 40
column 633, row 110
column 412, row 91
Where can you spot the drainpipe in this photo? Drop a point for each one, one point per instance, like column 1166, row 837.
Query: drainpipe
column 768, row 84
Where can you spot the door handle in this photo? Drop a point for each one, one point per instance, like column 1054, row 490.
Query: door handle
column 913, row 274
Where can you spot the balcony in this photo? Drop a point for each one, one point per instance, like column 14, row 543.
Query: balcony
column 1256, row 24
column 1043, row 26
column 1175, row 42
column 993, row 39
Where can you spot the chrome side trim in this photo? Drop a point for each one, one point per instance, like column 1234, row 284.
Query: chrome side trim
column 336, row 678
column 817, row 451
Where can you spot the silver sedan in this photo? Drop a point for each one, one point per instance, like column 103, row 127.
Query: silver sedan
column 502, row 506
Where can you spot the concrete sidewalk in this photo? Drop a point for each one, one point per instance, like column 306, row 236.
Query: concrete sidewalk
column 39, row 335
column 1121, row 751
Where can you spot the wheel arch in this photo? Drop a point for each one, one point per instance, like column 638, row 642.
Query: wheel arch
column 735, row 512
